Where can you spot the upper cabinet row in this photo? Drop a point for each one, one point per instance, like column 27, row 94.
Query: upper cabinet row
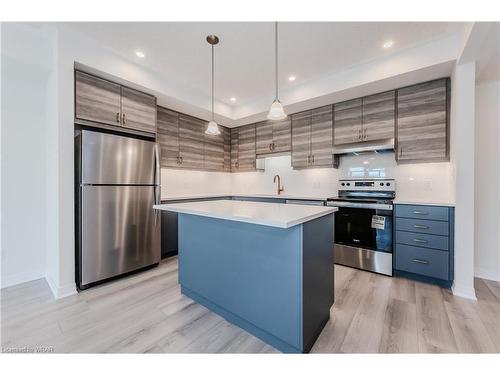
column 415, row 117
column 101, row 101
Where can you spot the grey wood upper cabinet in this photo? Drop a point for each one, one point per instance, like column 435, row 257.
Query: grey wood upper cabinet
column 168, row 137
column 234, row 149
column 243, row 156
column 348, row 122
column 214, row 151
column 312, row 140
column 273, row 136
column 97, row 99
column 191, row 142
column 246, row 148
column 226, row 134
column 422, row 122
column 379, row 116
column 138, row 110
column 104, row 102
column 264, row 137
column 322, row 137
column 301, row 139
column 184, row 144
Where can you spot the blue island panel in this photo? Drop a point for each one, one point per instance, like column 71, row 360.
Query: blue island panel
column 249, row 274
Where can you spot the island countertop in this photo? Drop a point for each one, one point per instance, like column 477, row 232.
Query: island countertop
column 269, row 214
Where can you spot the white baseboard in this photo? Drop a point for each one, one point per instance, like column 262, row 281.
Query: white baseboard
column 61, row 291
column 464, row 292
column 22, row 277
column 487, row 273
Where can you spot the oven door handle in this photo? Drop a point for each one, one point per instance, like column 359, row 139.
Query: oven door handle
column 375, row 206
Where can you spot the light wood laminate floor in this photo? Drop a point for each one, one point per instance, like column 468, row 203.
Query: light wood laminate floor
column 147, row 313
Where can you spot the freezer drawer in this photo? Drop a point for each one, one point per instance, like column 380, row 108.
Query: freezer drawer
column 120, row 231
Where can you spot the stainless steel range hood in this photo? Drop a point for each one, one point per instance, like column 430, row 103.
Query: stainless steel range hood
column 385, row 145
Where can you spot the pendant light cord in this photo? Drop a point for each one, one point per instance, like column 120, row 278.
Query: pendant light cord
column 212, row 82
column 276, row 55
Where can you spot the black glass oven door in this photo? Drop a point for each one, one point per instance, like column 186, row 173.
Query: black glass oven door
column 353, row 227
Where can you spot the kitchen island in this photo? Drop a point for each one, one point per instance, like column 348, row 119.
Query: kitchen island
column 266, row 267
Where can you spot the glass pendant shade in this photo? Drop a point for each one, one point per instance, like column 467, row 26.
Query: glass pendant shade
column 276, row 112
column 212, row 128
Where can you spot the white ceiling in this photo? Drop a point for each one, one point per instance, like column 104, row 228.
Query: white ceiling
column 245, row 58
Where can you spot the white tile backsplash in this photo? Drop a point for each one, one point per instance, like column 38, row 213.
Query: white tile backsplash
column 430, row 182
column 427, row 182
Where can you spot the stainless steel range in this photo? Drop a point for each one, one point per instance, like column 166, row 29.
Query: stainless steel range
column 364, row 224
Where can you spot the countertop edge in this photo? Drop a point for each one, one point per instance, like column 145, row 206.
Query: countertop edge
column 263, row 196
column 421, row 203
column 269, row 223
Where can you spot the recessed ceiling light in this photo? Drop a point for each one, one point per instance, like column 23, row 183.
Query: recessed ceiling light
column 140, row 54
column 292, row 78
column 388, row 44
column 366, row 162
column 233, row 99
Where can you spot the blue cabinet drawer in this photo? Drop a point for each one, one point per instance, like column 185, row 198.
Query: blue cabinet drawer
column 422, row 226
column 422, row 212
column 422, row 240
column 421, row 261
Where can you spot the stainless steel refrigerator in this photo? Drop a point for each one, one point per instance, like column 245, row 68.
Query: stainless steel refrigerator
column 117, row 183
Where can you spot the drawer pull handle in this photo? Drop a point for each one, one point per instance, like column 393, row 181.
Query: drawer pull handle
column 419, row 240
column 420, row 261
column 418, row 226
column 420, row 212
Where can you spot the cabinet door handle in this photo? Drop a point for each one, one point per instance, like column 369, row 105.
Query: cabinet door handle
column 269, row 146
column 118, row 117
column 359, row 134
column 400, row 152
column 180, row 158
column 313, row 158
column 421, row 261
column 418, row 240
column 364, row 134
column 418, row 226
column 420, row 212
column 123, row 119
column 308, row 159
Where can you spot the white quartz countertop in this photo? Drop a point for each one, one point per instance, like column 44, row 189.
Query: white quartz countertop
column 269, row 214
column 425, row 203
column 281, row 196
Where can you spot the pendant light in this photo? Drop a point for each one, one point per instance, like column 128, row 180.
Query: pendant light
column 276, row 112
column 212, row 127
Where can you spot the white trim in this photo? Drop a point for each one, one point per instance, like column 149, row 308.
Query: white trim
column 487, row 273
column 21, row 277
column 464, row 292
column 60, row 291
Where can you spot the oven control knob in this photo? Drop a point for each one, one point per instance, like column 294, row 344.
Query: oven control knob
column 388, row 184
column 343, row 183
column 382, row 184
column 348, row 184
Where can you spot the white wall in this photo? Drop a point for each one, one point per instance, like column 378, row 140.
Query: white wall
column 26, row 66
column 419, row 183
column 178, row 183
column 462, row 147
column 321, row 181
column 487, row 178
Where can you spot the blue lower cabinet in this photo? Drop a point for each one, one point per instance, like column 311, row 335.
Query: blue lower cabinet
column 431, row 241
column 424, row 243
column 426, row 262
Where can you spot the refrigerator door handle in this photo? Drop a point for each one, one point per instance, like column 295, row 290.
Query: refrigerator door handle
column 157, row 186
column 157, row 165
